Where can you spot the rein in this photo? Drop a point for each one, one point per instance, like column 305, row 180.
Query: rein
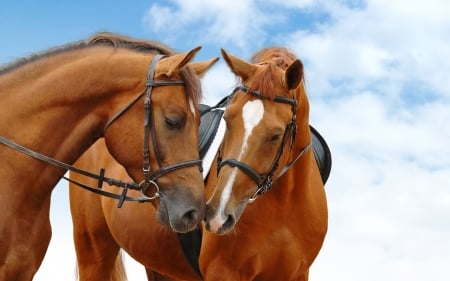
column 265, row 181
column 149, row 178
column 100, row 177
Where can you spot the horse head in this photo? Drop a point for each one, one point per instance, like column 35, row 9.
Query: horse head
column 162, row 155
column 262, row 121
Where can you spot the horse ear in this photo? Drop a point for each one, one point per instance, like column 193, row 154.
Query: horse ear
column 201, row 67
column 172, row 64
column 239, row 66
column 293, row 75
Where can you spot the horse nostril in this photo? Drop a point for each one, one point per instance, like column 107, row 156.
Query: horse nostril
column 190, row 217
column 229, row 222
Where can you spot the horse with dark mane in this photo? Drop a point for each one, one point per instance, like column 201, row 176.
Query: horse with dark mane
column 266, row 158
column 55, row 105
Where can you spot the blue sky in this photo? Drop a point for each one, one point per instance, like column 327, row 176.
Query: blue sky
column 377, row 79
column 28, row 26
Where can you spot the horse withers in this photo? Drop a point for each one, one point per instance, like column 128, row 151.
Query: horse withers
column 56, row 104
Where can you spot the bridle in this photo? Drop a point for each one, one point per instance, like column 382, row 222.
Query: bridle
column 265, row 181
column 149, row 129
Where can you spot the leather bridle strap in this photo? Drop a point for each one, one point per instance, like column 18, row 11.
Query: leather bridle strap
column 99, row 177
column 290, row 164
column 264, row 181
column 57, row 163
column 149, row 128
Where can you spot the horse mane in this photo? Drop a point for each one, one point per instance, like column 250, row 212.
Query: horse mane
column 192, row 83
column 271, row 57
column 120, row 41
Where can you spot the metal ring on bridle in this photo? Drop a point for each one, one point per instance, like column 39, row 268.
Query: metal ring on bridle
column 253, row 197
column 144, row 185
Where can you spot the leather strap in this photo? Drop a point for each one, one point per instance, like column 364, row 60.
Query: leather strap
column 101, row 178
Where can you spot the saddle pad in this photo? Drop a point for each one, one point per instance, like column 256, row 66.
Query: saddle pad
column 322, row 154
column 211, row 133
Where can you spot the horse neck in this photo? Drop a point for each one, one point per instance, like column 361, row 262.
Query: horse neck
column 302, row 140
column 59, row 105
column 303, row 136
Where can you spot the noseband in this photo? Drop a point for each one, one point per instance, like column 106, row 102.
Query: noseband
column 265, row 181
column 149, row 128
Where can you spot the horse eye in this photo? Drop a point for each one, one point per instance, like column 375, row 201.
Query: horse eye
column 173, row 124
column 275, row 137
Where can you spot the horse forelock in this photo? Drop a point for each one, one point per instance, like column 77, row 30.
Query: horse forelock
column 262, row 82
column 192, row 84
column 271, row 58
column 282, row 57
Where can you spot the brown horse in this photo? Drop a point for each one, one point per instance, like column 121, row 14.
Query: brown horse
column 267, row 144
column 266, row 148
column 56, row 104
column 98, row 223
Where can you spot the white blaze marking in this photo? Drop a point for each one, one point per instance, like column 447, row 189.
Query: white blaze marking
column 252, row 114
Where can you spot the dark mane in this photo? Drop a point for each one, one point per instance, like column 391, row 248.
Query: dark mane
column 40, row 55
column 192, row 83
column 271, row 57
column 120, row 41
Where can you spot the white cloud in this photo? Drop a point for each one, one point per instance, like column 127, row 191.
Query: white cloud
column 225, row 23
column 377, row 75
column 217, row 83
column 383, row 40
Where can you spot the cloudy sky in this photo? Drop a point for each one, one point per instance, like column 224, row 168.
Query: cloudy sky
column 378, row 79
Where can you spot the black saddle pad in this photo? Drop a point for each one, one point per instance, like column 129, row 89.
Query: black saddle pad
column 322, row 154
column 209, row 123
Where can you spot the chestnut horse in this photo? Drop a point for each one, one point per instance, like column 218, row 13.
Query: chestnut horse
column 98, row 223
column 267, row 145
column 56, row 104
column 265, row 158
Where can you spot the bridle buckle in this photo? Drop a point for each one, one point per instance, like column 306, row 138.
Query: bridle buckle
column 262, row 188
column 145, row 185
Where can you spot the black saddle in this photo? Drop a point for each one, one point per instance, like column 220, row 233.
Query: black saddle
column 209, row 123
column 322, row 154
